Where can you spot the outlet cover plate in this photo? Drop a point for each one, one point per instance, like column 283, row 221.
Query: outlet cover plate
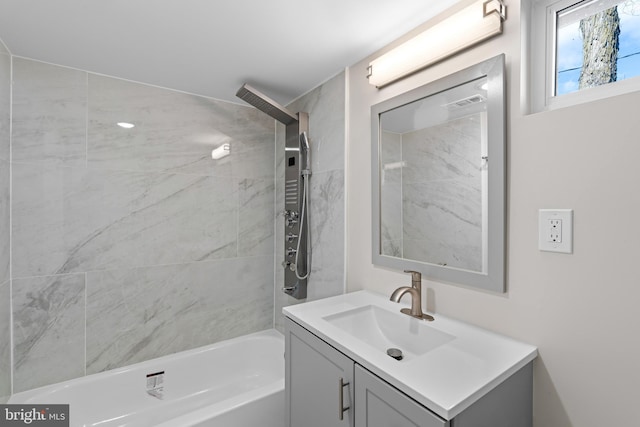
column 546, row 219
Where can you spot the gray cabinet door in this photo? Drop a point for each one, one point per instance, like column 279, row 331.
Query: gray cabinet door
column 316, row 375
column 379, row 404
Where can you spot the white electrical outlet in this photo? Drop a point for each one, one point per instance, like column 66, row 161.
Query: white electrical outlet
column 554, row 233
column 555, row 230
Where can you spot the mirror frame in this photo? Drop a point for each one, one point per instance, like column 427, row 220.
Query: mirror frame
column 493, row 279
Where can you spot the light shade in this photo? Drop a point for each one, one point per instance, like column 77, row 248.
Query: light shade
column 471, row 25
column 220, row 152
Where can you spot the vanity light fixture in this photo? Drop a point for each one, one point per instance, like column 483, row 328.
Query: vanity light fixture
column 126, row 125
column 471, row 25
column 220, row 152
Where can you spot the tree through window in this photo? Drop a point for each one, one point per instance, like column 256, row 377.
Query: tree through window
column 598, row 42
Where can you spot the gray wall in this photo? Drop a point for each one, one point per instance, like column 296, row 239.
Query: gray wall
column 130, row 244
column 326, row 107
column 5, row 290
column 575, row 308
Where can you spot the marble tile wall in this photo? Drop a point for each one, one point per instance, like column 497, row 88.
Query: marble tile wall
column 5, row 288
column 49, row 329
column 391, row 194
column 326, row 107
column 442, row 194
column 148, row 311
column 130, row 244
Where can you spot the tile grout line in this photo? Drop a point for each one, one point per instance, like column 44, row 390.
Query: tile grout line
column 86, row 122
column 275, row 219
column 85, row 322
column 86, row 163
column 11, row 337
column 146, row 266
column 345, row 181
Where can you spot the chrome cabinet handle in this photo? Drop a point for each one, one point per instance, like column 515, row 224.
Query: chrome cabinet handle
column 341, row 408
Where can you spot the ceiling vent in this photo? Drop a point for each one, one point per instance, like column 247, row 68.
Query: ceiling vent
column 465, row 102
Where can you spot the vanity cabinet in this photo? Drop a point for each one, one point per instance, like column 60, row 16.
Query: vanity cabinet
column 325, row 388
column 315, row 374
column 316, row 377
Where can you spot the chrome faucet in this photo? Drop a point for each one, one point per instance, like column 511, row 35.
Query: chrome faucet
column 416, row 296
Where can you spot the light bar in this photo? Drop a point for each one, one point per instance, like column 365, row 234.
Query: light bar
column 471, row 25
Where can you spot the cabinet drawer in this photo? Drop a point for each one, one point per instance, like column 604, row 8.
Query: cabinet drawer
column 379, row 404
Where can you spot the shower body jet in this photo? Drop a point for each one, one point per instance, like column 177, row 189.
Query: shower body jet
column 297, row 243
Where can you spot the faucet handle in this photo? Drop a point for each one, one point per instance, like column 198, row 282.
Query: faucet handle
column 416, row 276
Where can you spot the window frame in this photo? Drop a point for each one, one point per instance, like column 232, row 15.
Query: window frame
column 543, row 63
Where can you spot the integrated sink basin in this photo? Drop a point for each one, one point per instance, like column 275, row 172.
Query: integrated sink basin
column 383, row 329
column 447, row 364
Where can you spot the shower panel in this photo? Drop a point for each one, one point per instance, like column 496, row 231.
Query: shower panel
column 297, row 242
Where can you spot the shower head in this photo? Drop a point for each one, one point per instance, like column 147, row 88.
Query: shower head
column 266, row 105
column 304, row 141
column 305, row 153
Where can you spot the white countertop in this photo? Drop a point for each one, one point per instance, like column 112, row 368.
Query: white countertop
column 447, row 379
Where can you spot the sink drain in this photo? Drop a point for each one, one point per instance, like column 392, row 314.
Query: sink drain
column 396, row 353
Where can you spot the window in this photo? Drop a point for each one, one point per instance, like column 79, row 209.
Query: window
column 584, row 50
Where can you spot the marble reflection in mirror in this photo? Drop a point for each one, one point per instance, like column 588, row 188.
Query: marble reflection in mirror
column 434, row 176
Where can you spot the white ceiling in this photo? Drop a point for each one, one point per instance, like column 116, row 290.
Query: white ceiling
column 210, row 47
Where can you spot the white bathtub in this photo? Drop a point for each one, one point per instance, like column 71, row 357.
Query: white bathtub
column 234, row 383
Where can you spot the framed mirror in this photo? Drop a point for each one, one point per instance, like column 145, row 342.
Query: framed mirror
column 438, row 165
